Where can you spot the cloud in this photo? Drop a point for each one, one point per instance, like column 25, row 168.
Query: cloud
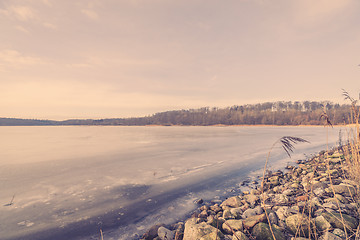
column 27, row 14
column 90, row 14
column 22, row 29
column 49, row 25
column 47, row 2
column 13, row 58
column 309, row 11
column 112, row 61
column 22, row 13
column 79, row 65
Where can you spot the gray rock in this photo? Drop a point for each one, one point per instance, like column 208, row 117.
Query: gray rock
column 233, row 202
column 273, row 218
column 350, row 182
column 323, row 179
column 289, row 192
column 281, row 199
column 253, row 220
column 245, row 207
column 215, row 208
column 232, row 225
column 334, row 160
column 322, row 224
column 346, row 190
column 315, row 202
column 295, row 185
column 203, row 214
column 329, row 236
column 298, row 224
column 199, row 201
column 236, row 212
column 334, row 173
column 274, row 180
column 277, row 189
column 252, row 199
column 255, row 192
column 165, row 234
column 227, row 237
column 227, row 214
column 335, row 220
column 239, row 236
column 215, row 222
column 330, row 205
column 179, row 231
column 152, row 232
column 340, row 233
column 283, row 213
column 332, row 200
column 341, row 199
column 199, row 231
column 252, row 212
column 319, row 184
column 261, row 231
column 320, row 192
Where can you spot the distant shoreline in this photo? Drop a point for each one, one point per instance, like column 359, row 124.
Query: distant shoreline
column 216, row 125
column 267, row 114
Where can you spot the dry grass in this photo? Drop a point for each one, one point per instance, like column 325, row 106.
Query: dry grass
column 351, row 152
column 11, row 202
column 350, row 170
column 101, row 234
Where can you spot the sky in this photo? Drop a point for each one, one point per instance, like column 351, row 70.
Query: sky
column 128, row 58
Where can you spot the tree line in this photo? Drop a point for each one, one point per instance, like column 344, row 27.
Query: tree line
column 269, row 113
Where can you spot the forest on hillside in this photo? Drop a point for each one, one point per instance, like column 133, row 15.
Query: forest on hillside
column 269, row 113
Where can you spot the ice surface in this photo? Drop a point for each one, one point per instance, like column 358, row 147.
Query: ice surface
column 72, row 181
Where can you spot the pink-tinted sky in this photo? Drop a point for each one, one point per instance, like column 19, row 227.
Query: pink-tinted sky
column 122, row 58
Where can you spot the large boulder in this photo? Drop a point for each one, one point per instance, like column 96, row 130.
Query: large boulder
column 322, row 224
column 232, row 225
column 252, row 199
column 340, row 233
column 227, row 214
column 261, row 231
column 346, row 190
column 215, row 222
column 201, row 231
column 253, row 220
column 341, row 198
column 165, row 234
column 252, row 212
column 335, row 219
column 298, row 224
column 233, row 202
column 283, row 212
column 329, row 236
column 236, row 212
column 239, row 236
column 272, row 217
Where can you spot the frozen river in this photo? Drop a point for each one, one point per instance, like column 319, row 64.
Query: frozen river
column 70, row 182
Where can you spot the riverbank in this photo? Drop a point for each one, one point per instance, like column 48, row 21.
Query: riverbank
column 314, row 200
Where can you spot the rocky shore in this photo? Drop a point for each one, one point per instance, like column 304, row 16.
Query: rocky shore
column 312, row 200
